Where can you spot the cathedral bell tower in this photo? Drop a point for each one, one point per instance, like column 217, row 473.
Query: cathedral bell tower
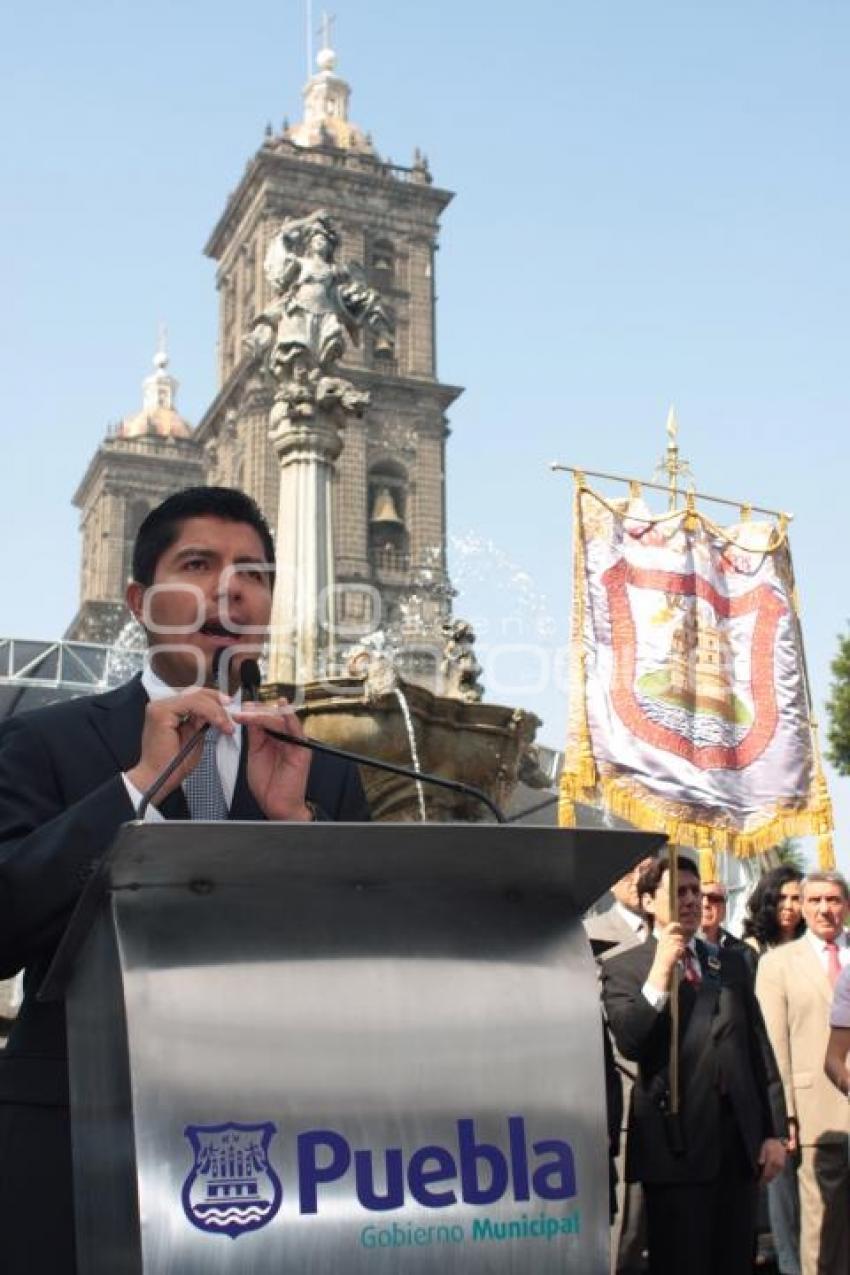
column 388, row 497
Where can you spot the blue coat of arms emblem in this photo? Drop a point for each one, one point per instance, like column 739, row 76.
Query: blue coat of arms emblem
column 231, row 1188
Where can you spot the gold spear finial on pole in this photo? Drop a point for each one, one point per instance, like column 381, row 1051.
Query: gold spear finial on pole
column 672, row 423
column 672, row 456
column 671, row 466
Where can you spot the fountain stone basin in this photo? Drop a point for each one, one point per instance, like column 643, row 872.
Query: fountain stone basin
column 475, row 743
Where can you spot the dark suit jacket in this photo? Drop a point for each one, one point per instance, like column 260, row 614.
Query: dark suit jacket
column 726, row 1053
column 730, row 943
column 62, row 800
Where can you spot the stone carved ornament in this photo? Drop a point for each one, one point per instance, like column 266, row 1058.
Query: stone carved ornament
column 318, row 307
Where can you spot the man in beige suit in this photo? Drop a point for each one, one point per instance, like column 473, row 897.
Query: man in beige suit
column 615, row 930
column 794, row 986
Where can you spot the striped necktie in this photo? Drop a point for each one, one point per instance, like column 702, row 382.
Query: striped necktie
column 203, row 790
column 690, row 968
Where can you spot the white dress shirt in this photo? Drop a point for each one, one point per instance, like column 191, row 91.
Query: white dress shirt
column 228, row 747
column 633, row 921
column 654, row 995
column 819, row 946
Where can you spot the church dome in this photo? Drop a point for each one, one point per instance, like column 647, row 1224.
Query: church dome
column 326, row 121
column 164, row 422
column 159, row 417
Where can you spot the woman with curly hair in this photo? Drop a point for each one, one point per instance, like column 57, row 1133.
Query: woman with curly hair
column 774, row 916
column 774, row 910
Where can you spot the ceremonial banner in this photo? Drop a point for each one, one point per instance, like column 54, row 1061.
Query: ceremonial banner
column 689, row 708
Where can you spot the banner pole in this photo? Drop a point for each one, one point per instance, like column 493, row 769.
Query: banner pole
column 674, row 468
column 673, row 885
column 557, row 468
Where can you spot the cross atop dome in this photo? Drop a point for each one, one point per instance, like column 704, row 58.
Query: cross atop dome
column 326, row 28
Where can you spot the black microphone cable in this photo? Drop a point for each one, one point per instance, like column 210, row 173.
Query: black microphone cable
column 249, row 676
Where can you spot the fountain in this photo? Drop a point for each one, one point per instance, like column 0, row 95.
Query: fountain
column 480, row 744
column 370, row 698
column 126, row 655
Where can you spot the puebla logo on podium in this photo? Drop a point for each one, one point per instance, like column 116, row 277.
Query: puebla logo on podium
column 231, row 1188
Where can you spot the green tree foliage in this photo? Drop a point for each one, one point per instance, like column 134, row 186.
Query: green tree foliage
column 838, row 709
column 791, row 854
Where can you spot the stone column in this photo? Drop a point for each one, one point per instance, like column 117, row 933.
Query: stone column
column 303, row 612
column 316, row 308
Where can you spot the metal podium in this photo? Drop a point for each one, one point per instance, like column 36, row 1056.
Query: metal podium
column 339, row 1048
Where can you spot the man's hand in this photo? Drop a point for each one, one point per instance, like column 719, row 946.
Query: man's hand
column 670, row 950
column 276, row 770
column 792, row 1142
column 771, row 1159
column 169, row 723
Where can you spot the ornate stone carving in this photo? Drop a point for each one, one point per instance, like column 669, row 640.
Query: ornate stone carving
column 318, row 307
column 395, row 437
column 460, row 668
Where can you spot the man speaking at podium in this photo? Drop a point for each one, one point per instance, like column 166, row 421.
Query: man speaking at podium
column 73, row 773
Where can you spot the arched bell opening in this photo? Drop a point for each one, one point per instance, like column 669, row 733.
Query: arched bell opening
column 389, row 538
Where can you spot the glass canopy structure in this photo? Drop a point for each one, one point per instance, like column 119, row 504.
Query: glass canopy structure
column 34, row 673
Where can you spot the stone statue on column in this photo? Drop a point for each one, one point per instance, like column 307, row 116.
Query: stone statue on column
column 318, row 306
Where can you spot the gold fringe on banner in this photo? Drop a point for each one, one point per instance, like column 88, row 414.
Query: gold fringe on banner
column 584, row 775
column 707, row 865
column 826, row 853
column 640, row 809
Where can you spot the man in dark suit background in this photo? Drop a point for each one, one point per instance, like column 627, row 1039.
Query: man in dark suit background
column 715, row 898
column 73, row 773
column 699, row 1173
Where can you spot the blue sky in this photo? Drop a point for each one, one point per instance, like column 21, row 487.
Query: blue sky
column 652, row 207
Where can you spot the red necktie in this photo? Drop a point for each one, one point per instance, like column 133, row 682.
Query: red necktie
column 833, row 963
column 690, row 969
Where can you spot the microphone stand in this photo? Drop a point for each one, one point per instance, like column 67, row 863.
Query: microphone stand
column 249, row 676
column 149, row 793
column 453, row 785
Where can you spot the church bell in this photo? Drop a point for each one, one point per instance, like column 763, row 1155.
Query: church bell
column 384, row 509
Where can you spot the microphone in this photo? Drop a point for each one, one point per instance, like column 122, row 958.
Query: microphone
column 249, row 676
column 250, row 680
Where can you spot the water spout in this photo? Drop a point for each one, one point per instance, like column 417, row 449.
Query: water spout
column 414, row 752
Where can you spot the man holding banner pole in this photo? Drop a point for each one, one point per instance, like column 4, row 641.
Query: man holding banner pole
column 701, row 1158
